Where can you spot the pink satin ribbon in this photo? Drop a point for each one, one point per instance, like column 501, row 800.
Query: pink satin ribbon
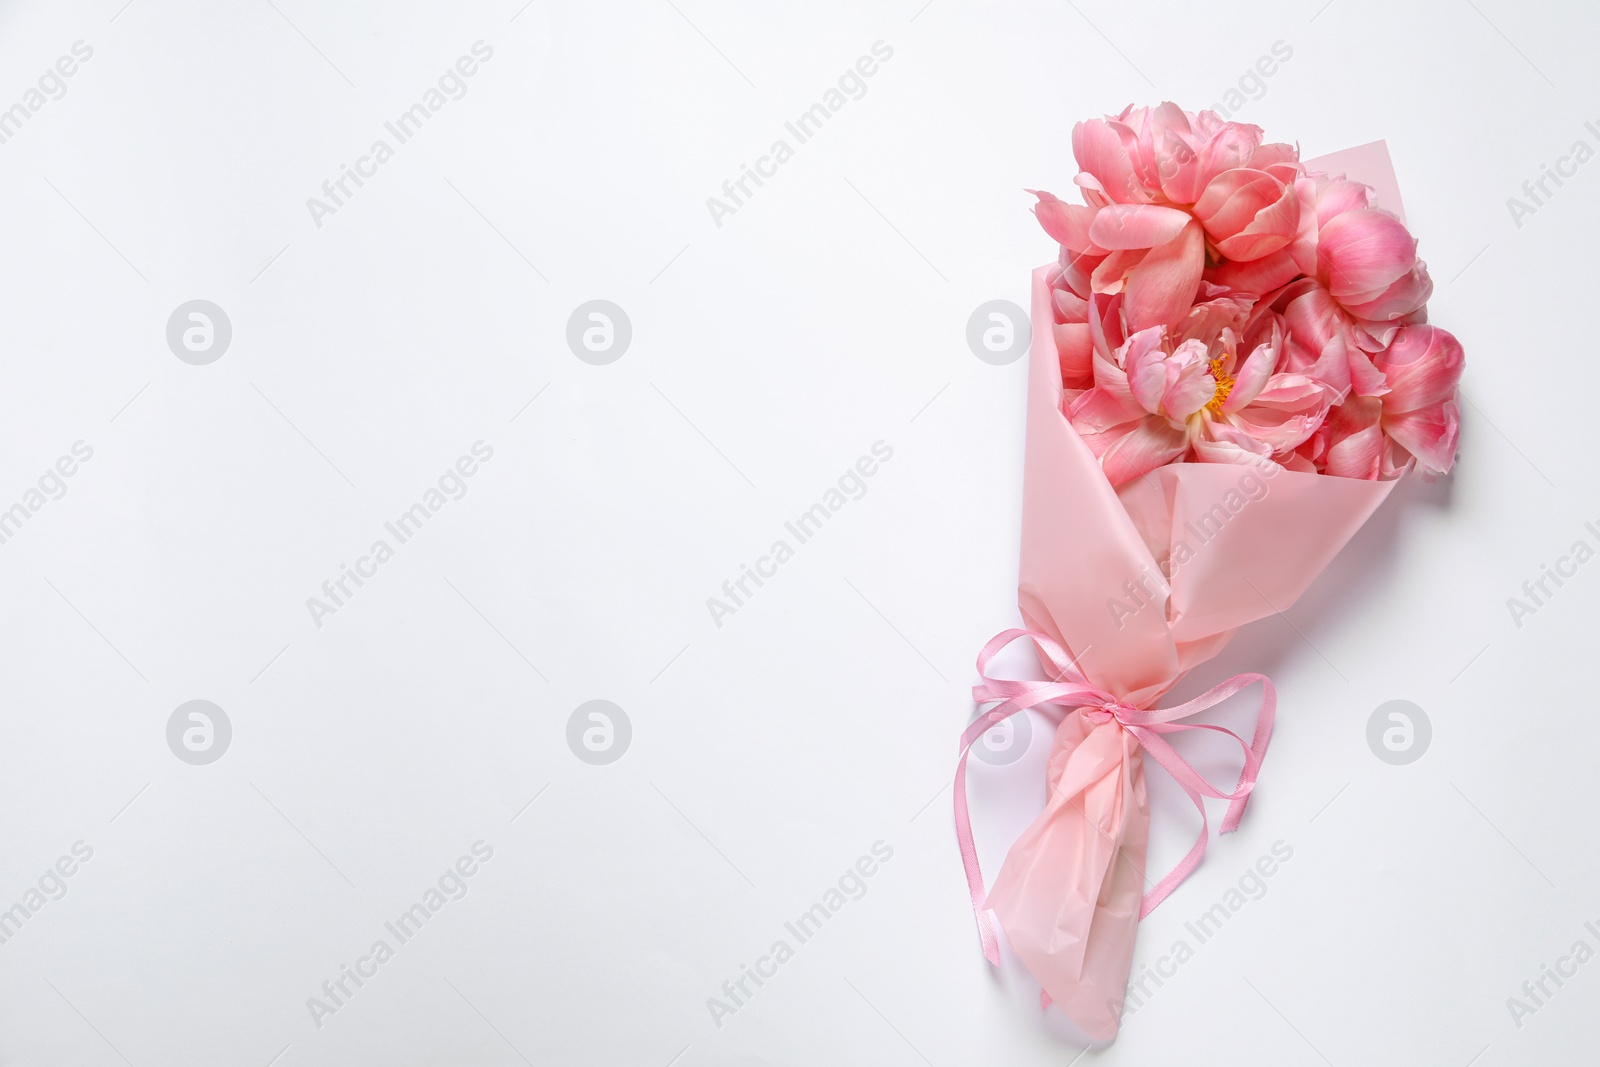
column 1072, row 690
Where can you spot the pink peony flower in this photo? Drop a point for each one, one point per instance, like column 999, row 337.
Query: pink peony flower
column 1362, row 255
column 1163, row 155
column 1166, row 395
column 1362, row 259
column 1421, row 412
column 1156, row 183
column 1155, row 254
column 1416, row 418
column 1249, row 214
column 1196, row 244
column 1368, row 262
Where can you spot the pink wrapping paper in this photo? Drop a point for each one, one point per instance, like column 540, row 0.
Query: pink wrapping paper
column 1191, row 552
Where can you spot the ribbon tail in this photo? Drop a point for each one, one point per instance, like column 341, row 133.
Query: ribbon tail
column 1258, row 752
column 969, row 861
column 1014, row 696
column 1149, row 732
column 1185, row 867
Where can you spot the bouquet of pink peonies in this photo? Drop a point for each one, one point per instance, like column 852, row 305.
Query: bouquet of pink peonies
column 1230, row 365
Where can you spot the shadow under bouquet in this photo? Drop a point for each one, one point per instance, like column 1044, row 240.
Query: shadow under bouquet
column 1230, row 366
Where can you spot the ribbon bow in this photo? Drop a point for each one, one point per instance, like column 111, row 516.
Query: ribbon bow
column 1071, row 689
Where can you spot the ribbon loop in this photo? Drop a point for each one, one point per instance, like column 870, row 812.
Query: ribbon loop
column 1071, row 689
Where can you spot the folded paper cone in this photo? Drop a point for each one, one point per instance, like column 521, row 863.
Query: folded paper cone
column 1140, row 584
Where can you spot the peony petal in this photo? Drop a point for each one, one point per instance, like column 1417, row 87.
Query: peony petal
column 1404, row 297
column 1112, row 274
column 1231, row 146
column 1093, row 193
column 1232, row 199
column 1276, row 154
column 1251, row 378
column 1100, row 411
column 1423, row 368
column 1272, row 229
column 1314, row 449
column 1187, row 392
column 1099, row 442
column 1357, row 455
column 1264, row 326
column 1153, row 443
column 1070, row 307
column 1283, row 433
column 1294, row 461
column 1430, row 434
column 1220, row 443
column 1189, row 385
column 1361, row 253
column 1313, row 318
column 1068, row 224
column 1396, row 461
column 1257, row 275
column 1105, row 150
column 1356, row 439
column 1297, row 391
column 1145, row 361
column 1304, row 246
column 1136, row 226
column 1144, row 153
column 1177, row 161
column 1162, row 287
column 1207, row 320
column 1335, row 196
column 1106, row 324
column 1076, row 271
column 1332, row 367
column 1286, row 413
column 1110, row 376
column 1365, row 379
column 1076, row 350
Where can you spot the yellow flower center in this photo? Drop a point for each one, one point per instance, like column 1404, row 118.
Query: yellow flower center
column 1224, row 387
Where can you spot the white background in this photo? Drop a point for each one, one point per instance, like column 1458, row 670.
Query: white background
column 768, row 354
